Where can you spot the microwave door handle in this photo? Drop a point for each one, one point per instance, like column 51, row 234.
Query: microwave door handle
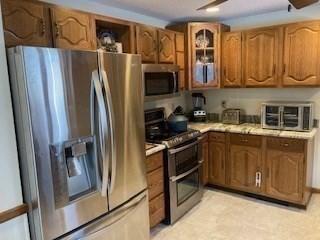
column 112, row 131
column 174, row 82
column 96, row 90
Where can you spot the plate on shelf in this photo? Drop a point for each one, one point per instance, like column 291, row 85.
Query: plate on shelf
column 202, row 41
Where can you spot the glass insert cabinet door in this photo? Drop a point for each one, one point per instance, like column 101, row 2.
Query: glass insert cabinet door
column 204, row 55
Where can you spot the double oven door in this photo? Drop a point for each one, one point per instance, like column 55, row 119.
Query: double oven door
column 184, row 184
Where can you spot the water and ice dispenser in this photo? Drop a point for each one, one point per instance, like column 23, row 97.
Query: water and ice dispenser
column 74, row 170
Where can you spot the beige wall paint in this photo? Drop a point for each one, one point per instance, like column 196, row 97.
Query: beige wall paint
column 10, row 185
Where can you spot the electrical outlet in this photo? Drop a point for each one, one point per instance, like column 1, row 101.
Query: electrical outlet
column 224, row 104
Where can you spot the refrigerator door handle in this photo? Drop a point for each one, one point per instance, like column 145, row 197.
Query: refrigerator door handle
column 112, row 130
column 96, row 90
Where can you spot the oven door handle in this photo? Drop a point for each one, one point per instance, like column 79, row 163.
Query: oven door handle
column 176, row 178
column 174, row 151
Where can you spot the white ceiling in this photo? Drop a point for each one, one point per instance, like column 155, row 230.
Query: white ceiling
column 176, row 10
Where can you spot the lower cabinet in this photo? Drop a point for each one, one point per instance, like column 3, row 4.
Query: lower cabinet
column 279, row 168
column 217, row 158
column 245, row 168
column 285, row 169
column 155, row 180
column 205, row 157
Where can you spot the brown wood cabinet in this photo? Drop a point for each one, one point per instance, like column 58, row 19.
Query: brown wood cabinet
column 203, row 53
column 217, row 163
column 245, row 167
column 261, row 57
column 155, row 45
column 232, row 59
column 180, row 59
column 155, row 181
column 72, row 29
column 205, row 156
column 273, row 167
column 26, row 23
column 166, row 41
column 146, row 38
column 302, row 54
column 285, row 169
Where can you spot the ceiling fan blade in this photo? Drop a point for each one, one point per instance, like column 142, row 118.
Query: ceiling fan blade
column 302, row 3
column 212, row 4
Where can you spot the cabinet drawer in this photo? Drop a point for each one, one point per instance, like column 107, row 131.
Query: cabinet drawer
column 156, row 210
column 217, row 137
column 246, row 140
column 286, row 144
column 155, row 183
column 154, row 161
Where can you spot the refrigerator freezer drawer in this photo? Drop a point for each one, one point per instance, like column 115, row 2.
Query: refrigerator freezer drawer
column 131, row 221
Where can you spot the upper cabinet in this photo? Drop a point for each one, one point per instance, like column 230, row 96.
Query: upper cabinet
column 302, row 55
column 204, row 52
column 166, row 41
column 261, row 57
column 155, row 45
column 203, row 43
column 232, row 59
column 26, row 23
column 147, row 43
column 180, row 58
column 72, row 29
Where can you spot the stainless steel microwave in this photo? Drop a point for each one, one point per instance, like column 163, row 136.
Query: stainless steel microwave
column 294, row 116
column 160, row 80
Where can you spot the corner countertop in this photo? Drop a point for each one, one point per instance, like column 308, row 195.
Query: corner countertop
column 253, row 129
column 152, row 148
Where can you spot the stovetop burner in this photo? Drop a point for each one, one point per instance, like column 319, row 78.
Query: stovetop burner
column 157, row 130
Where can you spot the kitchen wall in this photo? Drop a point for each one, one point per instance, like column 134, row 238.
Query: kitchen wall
column 10, row 185
column 250, row 99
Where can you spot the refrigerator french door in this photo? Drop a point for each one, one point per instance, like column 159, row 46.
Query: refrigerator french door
column 80, row 131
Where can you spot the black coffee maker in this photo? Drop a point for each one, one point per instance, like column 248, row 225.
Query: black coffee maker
column 199, row 114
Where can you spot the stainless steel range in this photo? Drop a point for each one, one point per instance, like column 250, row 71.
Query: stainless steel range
column 183, row 163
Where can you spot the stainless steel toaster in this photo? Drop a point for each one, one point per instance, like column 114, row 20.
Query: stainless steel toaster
column 233, row 116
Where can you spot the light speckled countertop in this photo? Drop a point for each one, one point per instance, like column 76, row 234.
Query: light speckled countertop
column 152, row 148
column 253, row 129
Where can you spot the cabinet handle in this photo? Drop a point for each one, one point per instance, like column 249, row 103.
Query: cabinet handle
column 42, row 27
column 285, row 144
column 57, row 30
column 244, row 140
column 284, row 69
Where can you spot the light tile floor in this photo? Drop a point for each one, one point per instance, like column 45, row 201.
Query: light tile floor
column 226, row 216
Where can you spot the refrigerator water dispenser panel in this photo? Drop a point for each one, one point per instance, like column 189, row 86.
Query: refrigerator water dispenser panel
column 74, row 170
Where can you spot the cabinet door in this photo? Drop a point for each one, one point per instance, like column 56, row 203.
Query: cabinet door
column 204, row 48
column 166, row 46
column 232, row 59
column 245, row 168
column 72, row 29
column 181, row 59
column 205, row 153
column 147, row 44
column 217, row 157
column 261, row 57
column 285, row 175
column 25, row 23
column 302, row 55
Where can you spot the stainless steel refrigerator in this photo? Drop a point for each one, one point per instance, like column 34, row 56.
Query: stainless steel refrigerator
column 80, row 130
